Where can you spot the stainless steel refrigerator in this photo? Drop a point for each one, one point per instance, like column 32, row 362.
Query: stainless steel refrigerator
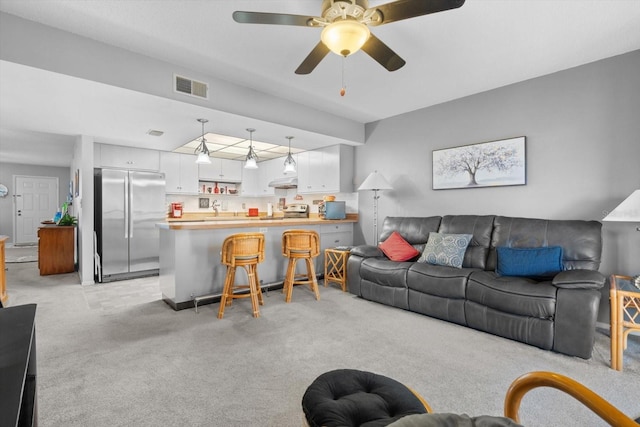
column 128, row 204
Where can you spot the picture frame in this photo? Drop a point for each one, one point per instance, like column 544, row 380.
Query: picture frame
column 485, row 164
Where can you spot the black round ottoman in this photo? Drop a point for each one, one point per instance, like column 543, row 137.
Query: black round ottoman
column 348, row 397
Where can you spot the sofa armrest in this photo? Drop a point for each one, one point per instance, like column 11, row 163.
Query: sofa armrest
column 367, row 251
column 579, row 279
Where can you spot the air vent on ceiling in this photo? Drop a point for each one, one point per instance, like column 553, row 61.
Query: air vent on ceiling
column 191, row 87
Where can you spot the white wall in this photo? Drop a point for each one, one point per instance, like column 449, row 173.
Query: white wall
column 8, row 170
column 83, row 163
column 583, row 150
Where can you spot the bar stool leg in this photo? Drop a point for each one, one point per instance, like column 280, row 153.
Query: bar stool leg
column 253, row 291
column 311, row 276
column 291, row 277
column 226, row 291
column 260, row 299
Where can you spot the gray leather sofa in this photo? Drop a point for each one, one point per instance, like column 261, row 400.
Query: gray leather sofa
column 557, row 314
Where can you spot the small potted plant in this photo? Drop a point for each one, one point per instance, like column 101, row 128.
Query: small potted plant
column 68, row 220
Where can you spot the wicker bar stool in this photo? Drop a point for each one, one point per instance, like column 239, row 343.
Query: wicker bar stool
column 300, row 244
column 244, row 250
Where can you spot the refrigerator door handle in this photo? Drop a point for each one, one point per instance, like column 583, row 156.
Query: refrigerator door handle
column 130, row 211
column 126, row 206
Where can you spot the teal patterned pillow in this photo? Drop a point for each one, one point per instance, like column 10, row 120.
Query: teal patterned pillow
column 445, row 249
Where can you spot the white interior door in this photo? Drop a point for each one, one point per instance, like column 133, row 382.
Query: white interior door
column 35, row 200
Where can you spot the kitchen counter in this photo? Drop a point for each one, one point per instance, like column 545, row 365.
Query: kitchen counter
column 209, row 223
column 190, row 249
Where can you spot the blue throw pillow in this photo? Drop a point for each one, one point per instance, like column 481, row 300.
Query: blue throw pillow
column 445, row 249
column 529, row 262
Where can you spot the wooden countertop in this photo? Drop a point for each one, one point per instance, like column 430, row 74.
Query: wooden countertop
column 246, row 222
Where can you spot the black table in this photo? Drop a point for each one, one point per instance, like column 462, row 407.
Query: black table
column 18, row 366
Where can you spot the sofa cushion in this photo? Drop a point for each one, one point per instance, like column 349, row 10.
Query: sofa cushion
column 398, row 249
column 480, row 226
column 415, row 230
column 581, row 241
column 516, row 295
column 445, row 249
column 438, row 280
column 385, row 272
column 529, row 262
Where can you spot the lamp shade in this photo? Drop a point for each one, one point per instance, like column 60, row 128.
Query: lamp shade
column 203, row 158
column 627, row 211
column 375, row 181
column 345, row 37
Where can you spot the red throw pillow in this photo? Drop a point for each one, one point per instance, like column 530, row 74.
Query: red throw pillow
column 398, row 249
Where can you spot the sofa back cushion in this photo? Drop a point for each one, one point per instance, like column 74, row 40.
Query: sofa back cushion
column 581, row 241
column 415, row 230
column 480, row 226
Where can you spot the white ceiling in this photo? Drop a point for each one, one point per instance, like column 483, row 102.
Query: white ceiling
column 482, row 45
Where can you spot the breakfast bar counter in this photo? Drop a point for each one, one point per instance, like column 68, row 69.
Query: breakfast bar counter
column 190, row 264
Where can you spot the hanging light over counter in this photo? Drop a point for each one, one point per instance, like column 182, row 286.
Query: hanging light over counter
column 289, row 163
column 252, row 158
column 202, row 151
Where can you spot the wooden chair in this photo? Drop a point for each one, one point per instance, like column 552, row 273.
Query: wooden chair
column 296, row 245
column 591, row 400
column 244, row 250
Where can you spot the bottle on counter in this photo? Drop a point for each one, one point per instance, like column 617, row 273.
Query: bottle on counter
column 216, row 190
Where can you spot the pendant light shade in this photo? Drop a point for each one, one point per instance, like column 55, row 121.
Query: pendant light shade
column 202, row 151
column 252, row 158
column 289, row 163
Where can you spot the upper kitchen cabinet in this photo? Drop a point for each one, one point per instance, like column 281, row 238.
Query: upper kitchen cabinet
column 221, row 170
column 249, row 187
column 327, row 170
column 180, row 173
column 116, row 156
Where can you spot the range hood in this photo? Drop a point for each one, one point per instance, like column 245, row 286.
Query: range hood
column 286, row 182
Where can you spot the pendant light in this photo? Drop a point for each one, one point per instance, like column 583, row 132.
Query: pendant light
column 252, row 157
column 202, row 151
column 289, row 163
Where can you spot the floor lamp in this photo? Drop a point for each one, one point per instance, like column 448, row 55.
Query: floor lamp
column 627, row 211
column 375, row 182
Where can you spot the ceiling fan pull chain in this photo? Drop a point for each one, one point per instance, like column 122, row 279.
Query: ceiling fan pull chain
column 343, row 90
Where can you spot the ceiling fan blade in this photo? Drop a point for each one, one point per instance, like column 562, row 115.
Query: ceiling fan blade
column 313, row 59
column 382, row 53
column 271, row 18
column 404, row 9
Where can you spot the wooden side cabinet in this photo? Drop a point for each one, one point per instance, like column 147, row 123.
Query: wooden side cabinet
column 3, row 276
column 56, row 249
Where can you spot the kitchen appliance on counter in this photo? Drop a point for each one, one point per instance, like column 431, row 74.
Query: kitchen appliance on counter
column 296, row 210
column 332, row 210
column 176, row 210
column 128, row 204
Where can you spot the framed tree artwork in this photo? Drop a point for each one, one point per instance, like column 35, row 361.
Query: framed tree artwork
column 486, row 164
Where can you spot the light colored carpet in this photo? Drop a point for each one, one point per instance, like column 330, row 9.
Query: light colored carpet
column 144, row 364
column 15, row 254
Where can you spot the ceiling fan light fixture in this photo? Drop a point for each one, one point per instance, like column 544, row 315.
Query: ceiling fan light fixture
column 202, row 151
column 289, row 163
column 345, row 37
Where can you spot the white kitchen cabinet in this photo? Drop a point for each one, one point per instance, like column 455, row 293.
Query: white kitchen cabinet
column 326, row 170
column 249, row 187
column 221, row 170
column 116, row 156
column 180, row 173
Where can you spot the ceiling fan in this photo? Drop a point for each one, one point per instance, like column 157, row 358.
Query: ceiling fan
column 346, row 24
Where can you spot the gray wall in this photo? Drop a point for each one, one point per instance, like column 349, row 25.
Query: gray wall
column 8, row 170
column 583, row 150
